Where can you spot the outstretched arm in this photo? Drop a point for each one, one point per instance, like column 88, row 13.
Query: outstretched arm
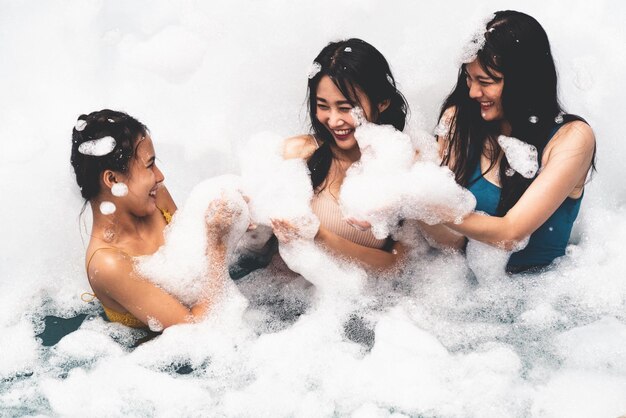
column 565, row 167
column 113, row 277
column 374, row 258
column 371, row 257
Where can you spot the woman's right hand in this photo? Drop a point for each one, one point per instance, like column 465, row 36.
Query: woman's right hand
column 219, row 217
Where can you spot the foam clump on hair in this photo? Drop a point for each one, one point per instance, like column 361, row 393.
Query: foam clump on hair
column 315, row 68
column 81, row 124
column 181, row 265
column 387, row 185
column 98, row 147
column 522, row 157
column 476, row 42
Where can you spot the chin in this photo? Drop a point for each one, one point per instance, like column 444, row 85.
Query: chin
column 347, row 144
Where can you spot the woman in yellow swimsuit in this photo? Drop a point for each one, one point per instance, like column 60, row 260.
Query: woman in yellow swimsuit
column 115, row 166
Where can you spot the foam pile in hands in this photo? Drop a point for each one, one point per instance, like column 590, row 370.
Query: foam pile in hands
column 390, row 183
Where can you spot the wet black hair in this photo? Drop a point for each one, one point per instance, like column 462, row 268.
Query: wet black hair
column 353, row 65
column 517, row 47
column 126, row 131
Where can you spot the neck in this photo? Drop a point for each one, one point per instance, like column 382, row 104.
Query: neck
column 505, row 127
column 116, row 226
column 351, row 155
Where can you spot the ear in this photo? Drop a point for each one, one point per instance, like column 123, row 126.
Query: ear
column 382, row 106
column 108, row 178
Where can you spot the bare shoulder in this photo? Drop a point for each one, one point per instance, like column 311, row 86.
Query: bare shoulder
column 448, row 114
column 574, row 135
column 108, row 265
column 302, row 146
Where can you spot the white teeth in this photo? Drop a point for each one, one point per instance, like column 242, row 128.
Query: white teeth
column 342, row 132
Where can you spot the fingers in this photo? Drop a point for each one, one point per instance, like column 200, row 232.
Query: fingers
column 284, row 230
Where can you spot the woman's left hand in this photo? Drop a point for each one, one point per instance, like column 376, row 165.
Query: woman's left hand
column 286, row 231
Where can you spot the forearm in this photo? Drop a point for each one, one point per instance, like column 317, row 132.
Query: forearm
column 371, row 257
column 440, row 236
column 217, row 272
column 493, row 230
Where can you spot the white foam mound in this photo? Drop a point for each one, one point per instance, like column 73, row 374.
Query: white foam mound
column 277, row 188
column 387, row 185
column 180, row 266
column 521, row 156
column 488, row 262
column 476, row 42
column 281, row 189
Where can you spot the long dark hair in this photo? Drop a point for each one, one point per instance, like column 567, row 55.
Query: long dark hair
column 517, row 47
column 124, row 129
column 353, row 65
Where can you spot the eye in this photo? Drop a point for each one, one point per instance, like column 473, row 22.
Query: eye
column 321, row 106
column 485, row 83
column 345, row 109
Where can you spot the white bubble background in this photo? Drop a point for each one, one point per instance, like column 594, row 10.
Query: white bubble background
column 205, row 77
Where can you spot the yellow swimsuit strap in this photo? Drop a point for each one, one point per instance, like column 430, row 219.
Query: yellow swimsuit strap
column 166, row 215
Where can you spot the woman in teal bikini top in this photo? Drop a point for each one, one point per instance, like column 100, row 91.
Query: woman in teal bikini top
column 507, row 86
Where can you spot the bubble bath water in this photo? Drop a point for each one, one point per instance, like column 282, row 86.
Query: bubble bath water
column 426, row 340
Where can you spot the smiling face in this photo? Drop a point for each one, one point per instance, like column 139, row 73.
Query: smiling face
column 333, row 111
column 143, row 180
column 486, row 90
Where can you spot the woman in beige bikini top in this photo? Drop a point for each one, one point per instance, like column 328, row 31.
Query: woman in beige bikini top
column 345, row 74
column 114, row 162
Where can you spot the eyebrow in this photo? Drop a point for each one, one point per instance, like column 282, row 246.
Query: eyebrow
column 340, row 102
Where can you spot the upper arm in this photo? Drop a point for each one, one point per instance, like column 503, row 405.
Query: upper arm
column 302, row 146
column 568, row 162
column 112, row 276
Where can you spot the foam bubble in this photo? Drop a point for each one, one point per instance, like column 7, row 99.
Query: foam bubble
column 154, row 324
column 119, row 189
column 475, row 43
column 97, row 147
column 405, row 189
column 107, row 208
column 522, row 157
column 315, row 68
column 80, row 125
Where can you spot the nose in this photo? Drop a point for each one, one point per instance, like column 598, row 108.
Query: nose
column 335, row 119
column 159, row 174
column 475, row 92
